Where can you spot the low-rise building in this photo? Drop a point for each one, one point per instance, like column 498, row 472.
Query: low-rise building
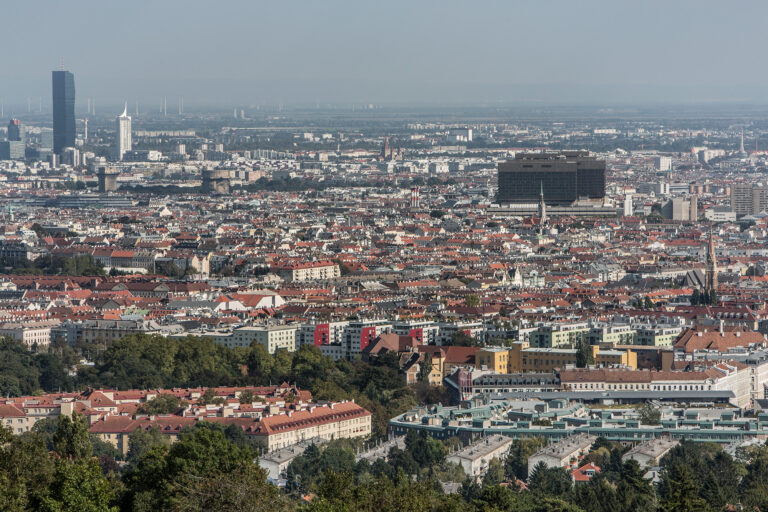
column 649, row 453
column 341, row 420
column 476, row 457
column 309, row 271
column 523, row 358
column 562, row 454
column 275, row 463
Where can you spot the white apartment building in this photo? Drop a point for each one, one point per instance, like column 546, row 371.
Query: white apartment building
column 425, row 331
column 317, row 334
column 563, row 454
column 30, row 333
column 272, row 337
column 476, row 457
column 310, row 271
column 360, row 333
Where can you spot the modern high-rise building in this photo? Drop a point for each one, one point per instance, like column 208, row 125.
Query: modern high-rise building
column 565, row 177
column 16, row 131
column 63, row 110
column 748, row 198
column 123, row 142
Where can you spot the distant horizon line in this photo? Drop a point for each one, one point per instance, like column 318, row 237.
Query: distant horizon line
column 362, row 106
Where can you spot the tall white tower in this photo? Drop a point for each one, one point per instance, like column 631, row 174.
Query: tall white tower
column 124, row 142
column 628, row 208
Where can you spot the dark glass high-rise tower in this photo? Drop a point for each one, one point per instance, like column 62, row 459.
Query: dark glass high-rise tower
column 63, row 110
column 16, row 131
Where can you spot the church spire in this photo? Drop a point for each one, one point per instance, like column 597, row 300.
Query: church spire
column 711, row 264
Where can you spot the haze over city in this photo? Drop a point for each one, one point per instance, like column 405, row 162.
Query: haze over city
column 395, row 52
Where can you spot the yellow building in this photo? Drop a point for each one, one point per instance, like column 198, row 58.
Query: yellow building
column 447, row 359
column 494, row 359
column 523, row 358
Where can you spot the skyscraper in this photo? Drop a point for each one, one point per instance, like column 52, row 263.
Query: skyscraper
column 63, row 110
column 16, row 131
column 13, row 148
column 123, row 142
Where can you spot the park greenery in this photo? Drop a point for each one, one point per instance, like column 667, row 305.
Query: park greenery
column 58, row 466
column 83, row 265
column 143, row 361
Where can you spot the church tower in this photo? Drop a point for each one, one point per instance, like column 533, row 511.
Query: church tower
column 711, row 265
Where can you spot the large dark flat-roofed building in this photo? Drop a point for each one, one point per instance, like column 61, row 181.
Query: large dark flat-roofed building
column 564, row 178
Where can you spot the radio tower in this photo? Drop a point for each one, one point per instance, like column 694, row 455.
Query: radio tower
column 741, row 145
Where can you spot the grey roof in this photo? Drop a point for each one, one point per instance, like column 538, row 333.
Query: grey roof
column 641, row 395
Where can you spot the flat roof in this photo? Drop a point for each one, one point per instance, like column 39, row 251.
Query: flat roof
column 482, row 447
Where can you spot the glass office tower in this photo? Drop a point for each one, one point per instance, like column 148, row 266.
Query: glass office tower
column 63, row 110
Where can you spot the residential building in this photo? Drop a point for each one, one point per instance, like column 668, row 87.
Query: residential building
column 272, row 337
column 310, row 271
column 562, row 454
column 650, row 453
column 476, row 457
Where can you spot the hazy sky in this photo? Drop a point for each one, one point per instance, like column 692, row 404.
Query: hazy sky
column 469, row 52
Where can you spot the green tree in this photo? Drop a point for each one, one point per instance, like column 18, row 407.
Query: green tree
column 696, row 297
column 140, row 441
column 204, row 454
column 472, row 300
column 243, row 490
column 648, row 303
column 494, row 475
column 754, row 485
column 649, row 415
column 516, row 463
column 39, row 230
column 26, row 470
column 247, row 397
column 71, row 439
column 584, row 354
column 683, row 491
column 552, row 481
column 79, row 486
column 634, row 493
column 20, row 373
column 425, row 450
column 425, row 368
column 462, row 339
column 164, row 403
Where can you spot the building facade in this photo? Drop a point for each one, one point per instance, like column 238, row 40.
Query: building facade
column 63, row 110
column 123, row 142
column 563, row 177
